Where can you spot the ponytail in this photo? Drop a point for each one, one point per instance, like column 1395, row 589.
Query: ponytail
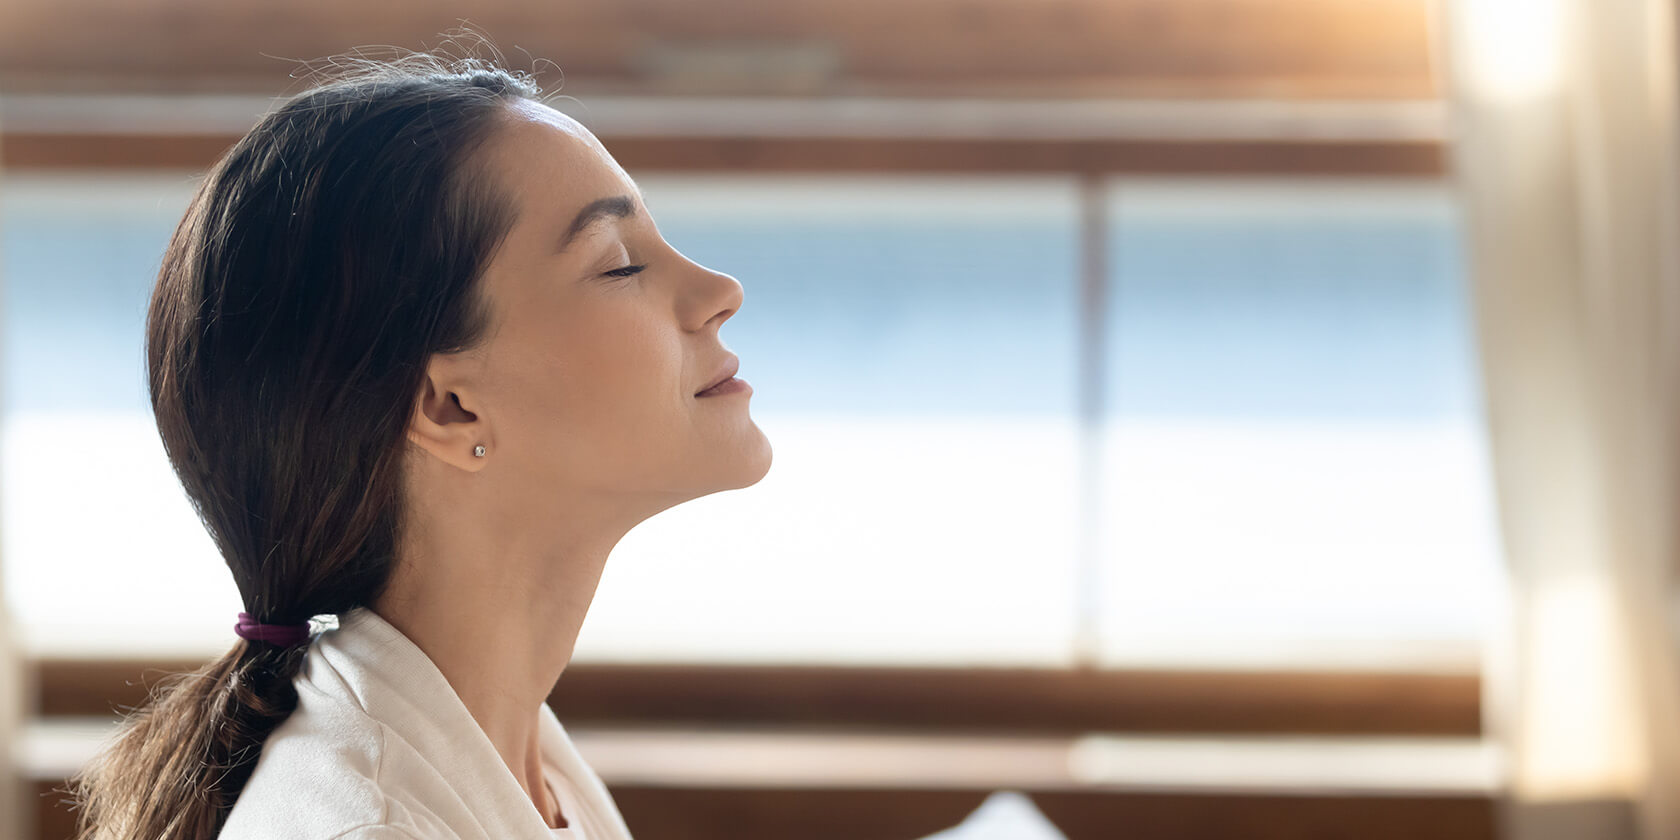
column 200, row 733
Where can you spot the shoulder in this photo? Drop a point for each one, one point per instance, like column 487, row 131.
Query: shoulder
column 372, row 831
column 375, row 832
column 326, row 754
column 330, row 771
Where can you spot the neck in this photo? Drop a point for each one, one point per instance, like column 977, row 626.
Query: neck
column 501, row 628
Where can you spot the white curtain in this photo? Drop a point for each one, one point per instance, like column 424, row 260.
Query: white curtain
column 16, row 806
column 1564, row 149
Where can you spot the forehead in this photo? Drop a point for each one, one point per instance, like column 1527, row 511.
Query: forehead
column 552, row 164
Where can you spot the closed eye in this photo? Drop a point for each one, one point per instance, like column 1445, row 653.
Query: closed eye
column 625, row 271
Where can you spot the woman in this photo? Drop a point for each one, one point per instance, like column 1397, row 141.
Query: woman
column 420, row 358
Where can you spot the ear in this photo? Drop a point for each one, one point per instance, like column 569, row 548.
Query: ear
column 444, row 421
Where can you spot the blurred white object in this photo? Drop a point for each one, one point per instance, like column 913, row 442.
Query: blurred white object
column 1005, row 815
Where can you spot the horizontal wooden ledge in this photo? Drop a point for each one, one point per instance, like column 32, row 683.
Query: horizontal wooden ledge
column 1021, row 701
column 653, row 812
column 1063, row 117
column 1420, row 158
column 751, row 759
column 1257, row 765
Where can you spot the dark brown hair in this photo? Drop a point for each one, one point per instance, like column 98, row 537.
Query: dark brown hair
column 324, row 258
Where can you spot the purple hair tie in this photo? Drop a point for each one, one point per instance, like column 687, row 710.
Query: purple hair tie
column 284, row 635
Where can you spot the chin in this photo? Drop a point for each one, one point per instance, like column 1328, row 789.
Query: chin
column 764, row 468
column 753, row 465
column 768, row 454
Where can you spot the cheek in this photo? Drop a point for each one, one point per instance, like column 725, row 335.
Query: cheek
column 608, row 382
column 623, row 423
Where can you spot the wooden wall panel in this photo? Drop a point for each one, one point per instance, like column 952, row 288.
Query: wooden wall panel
column 837, row 814
column 712, row 814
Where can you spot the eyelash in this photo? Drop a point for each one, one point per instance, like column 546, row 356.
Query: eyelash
column 626, row 271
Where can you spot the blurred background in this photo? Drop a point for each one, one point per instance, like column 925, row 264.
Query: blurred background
column 1212, row 418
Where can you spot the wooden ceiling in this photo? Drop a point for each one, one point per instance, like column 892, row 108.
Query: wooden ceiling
column 1279, row 49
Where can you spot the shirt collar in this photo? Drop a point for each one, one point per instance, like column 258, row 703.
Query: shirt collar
column 396, row 683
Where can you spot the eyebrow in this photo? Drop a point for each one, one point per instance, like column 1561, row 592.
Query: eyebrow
column 616, row 206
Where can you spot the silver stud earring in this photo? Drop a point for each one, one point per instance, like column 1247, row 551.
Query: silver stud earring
column 479, row 450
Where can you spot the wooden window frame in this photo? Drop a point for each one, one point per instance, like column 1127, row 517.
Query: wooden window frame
column 1042, row 701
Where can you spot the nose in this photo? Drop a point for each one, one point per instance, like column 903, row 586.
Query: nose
column 722, row 292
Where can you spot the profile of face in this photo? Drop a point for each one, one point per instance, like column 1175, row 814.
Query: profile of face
column 602, row 336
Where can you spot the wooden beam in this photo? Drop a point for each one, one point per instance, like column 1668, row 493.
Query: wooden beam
column 929, row 700
column 1342, row 49
column 1423, row 158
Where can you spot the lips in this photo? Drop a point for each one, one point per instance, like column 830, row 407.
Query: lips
column 726, row 372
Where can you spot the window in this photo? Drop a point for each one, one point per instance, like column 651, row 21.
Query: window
column 1290, row 462
column 98, row 536
column 1293, row 460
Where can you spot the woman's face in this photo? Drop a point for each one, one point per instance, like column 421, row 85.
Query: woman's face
column 586, row 388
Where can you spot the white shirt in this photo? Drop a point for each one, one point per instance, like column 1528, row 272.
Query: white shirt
column 382, row 748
